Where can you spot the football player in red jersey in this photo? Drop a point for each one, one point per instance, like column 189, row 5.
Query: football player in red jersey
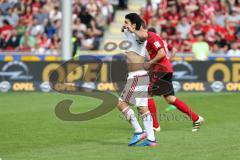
column 161, row 73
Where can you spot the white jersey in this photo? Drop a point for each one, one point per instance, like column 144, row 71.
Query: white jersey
column 136, row 46
column 136, row 88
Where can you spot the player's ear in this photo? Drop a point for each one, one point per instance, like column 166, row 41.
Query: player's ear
column 134, row 26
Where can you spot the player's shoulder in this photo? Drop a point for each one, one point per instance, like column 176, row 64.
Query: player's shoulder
column 152, row 37
column 152, row 34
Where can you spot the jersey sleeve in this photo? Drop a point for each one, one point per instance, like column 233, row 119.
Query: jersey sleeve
column 156, row 44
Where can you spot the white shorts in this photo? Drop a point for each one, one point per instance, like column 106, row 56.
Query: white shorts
column 135, row 91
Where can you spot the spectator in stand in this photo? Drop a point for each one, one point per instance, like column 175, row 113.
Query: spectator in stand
column 154, row 23
column 173, row 16
column 1, row 19
column 220, row 18
column 42, row 15
column 102, row 20
column 49, row 6
column 106, row 10
column 85, row 17
column 45, row 41
column 160, row 15
column 55, row 47
column 200, row 48
column 21, row 28
column 27, row 16
column 55, row 14
column 233, row 17
column 27, row 42
column 12, row 16
column 234, row 51
column 50, row 29
column 150, row 9
column 229, row 32
column 38, row 22
column 123, row 4
column 181, row 21
column 43, row 44
column 14, row 41
column 5, row 33
column 184, row 28
column 4, row 5
column 171, row 31
column 58, row 25
column 79, row 27
column 95, row 34
column 35, row 28
column 220, row 45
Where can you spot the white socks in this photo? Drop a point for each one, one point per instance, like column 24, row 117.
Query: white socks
column 147, row 122
column 130, row 116
column 148, row 125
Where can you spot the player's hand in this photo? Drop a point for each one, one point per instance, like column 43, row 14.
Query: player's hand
column 146, row 65
column 174, row 51
column 130, row 28
column 123, row 27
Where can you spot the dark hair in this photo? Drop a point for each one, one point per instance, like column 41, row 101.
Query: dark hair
column 134, row 18
column 152, row 30
column 56, row 8
column 144, row 24
column 6, row 22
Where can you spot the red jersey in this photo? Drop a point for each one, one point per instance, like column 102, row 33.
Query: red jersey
column 154, row 44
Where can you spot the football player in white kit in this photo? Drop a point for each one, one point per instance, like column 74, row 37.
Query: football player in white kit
column 136, row 88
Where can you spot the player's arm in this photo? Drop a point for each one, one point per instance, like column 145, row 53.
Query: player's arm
column 173, row 54
column 160, row 55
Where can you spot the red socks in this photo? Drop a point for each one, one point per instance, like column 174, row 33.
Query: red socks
column 153, row 109
column 185, row 109
column 178, row 103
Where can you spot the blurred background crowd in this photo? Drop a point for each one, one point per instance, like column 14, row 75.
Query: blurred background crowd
column 198, row 26
column 35, row 25
column 192, row 26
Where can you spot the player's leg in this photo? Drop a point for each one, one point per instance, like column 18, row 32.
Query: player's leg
column 148, row 126
column 197, row 120
column 140, row 99
column 151, row 103
column 130, row 116
column 123, row 105
column 153, row 110
column 173, row 100
column 181, row 106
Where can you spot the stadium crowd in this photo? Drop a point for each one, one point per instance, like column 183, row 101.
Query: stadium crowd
column 198, row 26
column 35, row 25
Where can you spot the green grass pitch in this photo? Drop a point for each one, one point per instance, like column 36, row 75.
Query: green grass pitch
column 29, row 130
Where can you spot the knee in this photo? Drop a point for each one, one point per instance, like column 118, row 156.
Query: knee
column 143, row 110
column 121, row 105
column 170, row 99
